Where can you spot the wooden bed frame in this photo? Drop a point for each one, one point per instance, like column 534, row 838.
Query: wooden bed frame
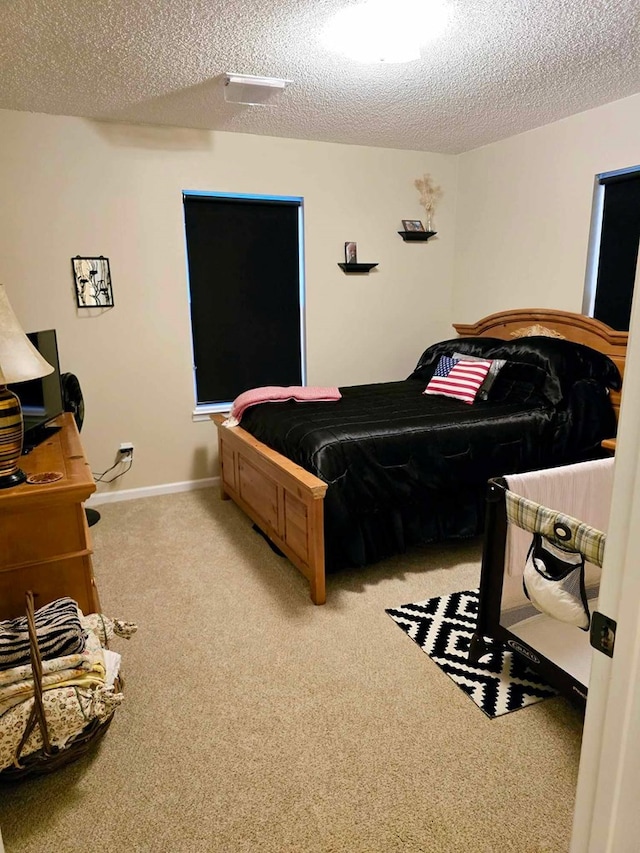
column 286, row 502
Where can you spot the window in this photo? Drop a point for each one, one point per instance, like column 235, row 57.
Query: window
column 613, row 248
column 245, row 269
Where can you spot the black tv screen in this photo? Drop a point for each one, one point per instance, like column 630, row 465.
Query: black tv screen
column 41, row 399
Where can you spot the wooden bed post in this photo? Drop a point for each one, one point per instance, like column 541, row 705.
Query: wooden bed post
column 316, row 562
column 224, row 495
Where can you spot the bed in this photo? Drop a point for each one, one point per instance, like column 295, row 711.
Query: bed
column 336, row 484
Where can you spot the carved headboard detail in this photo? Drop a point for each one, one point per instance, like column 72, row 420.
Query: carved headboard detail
column 537, row 329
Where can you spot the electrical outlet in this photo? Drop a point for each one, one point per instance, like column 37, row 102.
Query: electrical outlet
column 125, row 452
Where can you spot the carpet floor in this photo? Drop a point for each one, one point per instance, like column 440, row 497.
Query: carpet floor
column 255, row 721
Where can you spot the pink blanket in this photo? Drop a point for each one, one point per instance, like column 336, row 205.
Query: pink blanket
column 276, row 394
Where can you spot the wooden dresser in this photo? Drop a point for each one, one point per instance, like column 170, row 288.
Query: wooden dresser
column 44, row 537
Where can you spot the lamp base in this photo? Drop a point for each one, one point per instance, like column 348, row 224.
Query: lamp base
column 11, row 435
column 13, row 479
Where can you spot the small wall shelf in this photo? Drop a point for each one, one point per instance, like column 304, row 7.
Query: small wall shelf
column 418, row 236
column 357, row 267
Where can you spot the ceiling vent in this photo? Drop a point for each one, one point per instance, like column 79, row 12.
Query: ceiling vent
column 254, row 91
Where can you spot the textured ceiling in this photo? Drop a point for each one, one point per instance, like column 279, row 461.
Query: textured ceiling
column 503, row 67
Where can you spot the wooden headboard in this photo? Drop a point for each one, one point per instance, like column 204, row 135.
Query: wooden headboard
column 573, row 327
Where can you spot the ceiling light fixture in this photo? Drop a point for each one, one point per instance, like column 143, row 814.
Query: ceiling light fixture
column 251, row 90
column 385, row 31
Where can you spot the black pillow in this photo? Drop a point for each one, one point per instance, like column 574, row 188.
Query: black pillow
column 519, row 382
column 429, row 359
column 563, row 362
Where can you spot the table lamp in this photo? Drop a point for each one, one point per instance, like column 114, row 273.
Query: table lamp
column 19, row 362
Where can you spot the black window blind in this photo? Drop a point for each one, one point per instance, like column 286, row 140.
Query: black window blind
column 244, row 276
column 619, row 240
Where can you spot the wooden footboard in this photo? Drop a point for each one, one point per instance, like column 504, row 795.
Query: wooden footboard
column 284, row 500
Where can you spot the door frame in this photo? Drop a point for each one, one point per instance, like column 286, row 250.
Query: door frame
column 606, row 816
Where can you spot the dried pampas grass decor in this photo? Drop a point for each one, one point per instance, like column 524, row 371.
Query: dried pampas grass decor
column 429, row 195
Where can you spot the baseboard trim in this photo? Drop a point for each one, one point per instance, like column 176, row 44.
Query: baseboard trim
column 151, row 491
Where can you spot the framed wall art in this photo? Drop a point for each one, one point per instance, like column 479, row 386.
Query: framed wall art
column 93, row 282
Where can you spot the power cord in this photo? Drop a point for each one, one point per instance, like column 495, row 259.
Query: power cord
column 99, row 478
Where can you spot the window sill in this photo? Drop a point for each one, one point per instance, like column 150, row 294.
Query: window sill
column 201, row 413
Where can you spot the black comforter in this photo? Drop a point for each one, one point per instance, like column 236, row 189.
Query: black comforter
column 404, row 468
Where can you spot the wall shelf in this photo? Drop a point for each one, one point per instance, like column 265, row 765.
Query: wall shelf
column 357, row 267
column 416, row 236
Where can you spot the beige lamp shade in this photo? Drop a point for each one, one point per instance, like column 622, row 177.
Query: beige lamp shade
column 19, row 359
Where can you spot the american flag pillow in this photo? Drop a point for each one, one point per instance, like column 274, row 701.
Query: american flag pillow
column 458, row 378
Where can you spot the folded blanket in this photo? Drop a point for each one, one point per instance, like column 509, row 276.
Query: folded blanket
column 19, row 673
column 99, row 630
column 86, row 691
column 58, row 629
column 89, row 671
column 68, row 710
column 277, row 394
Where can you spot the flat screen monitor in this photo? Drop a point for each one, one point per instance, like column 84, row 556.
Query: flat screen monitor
column 41, row 399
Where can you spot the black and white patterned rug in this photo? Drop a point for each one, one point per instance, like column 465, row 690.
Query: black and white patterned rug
column 501, row 682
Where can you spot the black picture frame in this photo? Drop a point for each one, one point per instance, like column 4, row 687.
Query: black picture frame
column 412, row 225
column 92, row 278
column 351, row 253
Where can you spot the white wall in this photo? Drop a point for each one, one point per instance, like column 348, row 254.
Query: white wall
column 524, row 208
column 519, row 211
column 74, row 187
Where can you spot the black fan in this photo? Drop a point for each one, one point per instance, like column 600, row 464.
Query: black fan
column 72, row 398
column 73, row 402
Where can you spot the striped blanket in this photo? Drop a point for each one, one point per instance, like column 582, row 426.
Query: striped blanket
column 58, row 630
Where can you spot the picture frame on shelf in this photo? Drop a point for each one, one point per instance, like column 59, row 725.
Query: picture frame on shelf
column 412, row 225
column 351, row 253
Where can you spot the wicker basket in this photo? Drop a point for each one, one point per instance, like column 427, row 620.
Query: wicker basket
column 48, row 758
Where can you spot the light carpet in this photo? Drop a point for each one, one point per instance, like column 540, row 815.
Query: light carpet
column 255, row 721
